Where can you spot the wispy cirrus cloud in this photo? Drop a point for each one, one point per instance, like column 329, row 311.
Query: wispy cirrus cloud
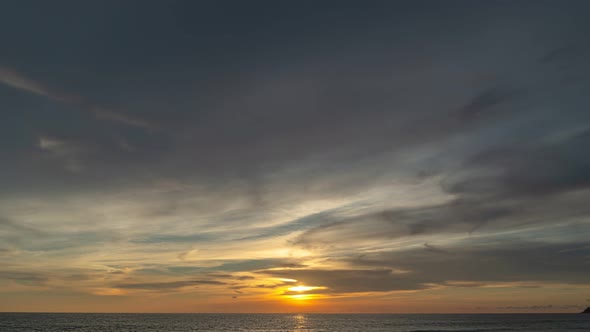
column 172, row 285
column 13, row 78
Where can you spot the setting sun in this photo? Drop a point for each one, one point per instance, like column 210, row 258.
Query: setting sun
column 303, row 288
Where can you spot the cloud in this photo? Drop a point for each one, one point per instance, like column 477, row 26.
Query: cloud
column 483, row 103
column 15, row 79
column 172, row 285
column 541, row 307
column 102, row 113
column 545, row 169
column 571, row 53
column 350, row 281
column 71, row 152
column 462, row 217
column 486, row 260
column 24, row 277
column 350, row 155
column 483, row 264
column 500, row 189
column 245, row 278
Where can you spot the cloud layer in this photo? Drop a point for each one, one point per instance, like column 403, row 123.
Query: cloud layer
column 236, row 151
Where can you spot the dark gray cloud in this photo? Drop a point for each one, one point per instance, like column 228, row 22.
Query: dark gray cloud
column 172, row 285
column 541, row 307
column 25, row 277
column 345, row 100
column 490, row 262
column 541, row 169
column 468, row 265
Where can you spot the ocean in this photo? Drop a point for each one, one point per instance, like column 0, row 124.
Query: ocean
column 50, row 322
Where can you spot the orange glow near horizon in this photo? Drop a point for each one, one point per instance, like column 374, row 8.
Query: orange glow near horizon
column 297, row 294
column 303, row 288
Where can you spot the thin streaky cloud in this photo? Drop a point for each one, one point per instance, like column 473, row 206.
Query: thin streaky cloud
column 15, row 79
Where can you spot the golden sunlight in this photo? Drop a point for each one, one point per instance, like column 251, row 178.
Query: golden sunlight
column 299, row 292
column 303, row 288
column 301, row 296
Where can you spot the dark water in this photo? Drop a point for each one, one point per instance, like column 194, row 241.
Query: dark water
column 291, row 322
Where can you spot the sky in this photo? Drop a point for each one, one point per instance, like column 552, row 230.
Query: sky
column 294, row 156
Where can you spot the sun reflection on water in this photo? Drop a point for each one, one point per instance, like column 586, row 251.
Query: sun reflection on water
column 300, row 322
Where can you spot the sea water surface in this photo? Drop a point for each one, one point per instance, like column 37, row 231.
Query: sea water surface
column 292, row 322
